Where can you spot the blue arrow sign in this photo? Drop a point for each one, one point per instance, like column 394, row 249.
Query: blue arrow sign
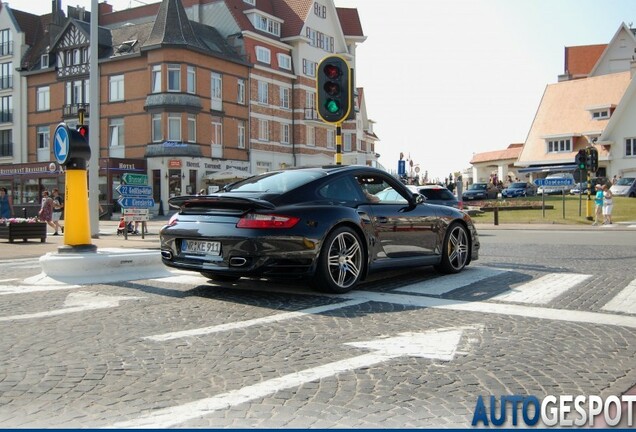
column 401, row 167
column 554, row 182
column 134, row 191
column 61, row 143
column 133, row 202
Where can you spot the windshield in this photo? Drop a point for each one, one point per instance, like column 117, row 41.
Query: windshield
column 625, row 181
column 518, row 186
column 477, row 186
column 276, row 182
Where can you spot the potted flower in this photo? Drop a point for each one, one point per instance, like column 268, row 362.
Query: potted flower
column 22, row 228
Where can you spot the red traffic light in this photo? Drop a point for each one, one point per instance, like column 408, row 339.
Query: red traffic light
column 332, row 71
column 83, row 130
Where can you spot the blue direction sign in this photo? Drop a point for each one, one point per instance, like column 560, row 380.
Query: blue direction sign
column 554, row 182
column 136, row 202
column 61, row 143
column 401, row 167
column 134, row 191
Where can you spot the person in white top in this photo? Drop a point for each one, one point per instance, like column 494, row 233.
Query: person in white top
column 608, row 204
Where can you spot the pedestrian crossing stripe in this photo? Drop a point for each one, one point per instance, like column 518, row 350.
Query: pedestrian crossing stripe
column 624, row 301
column 542, row 290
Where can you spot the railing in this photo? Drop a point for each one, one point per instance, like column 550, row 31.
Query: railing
column 6, row 116
column 73, row 110
column 6, row 149
column 311, row 114
column 6, row 82
column 6, row 48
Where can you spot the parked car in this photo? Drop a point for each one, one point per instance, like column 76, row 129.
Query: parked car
column 519, row 189
column 477, row 191
column 625, row 186
column 324, row 224
column 581, row 187
column 436, row 194
column 550, row 190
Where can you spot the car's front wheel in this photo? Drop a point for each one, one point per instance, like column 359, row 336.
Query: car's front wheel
column 341, row 261
column 455, row 250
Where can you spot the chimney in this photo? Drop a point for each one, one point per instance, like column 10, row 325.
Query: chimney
column 105, row 8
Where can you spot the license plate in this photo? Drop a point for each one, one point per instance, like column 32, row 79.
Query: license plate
column 201, row 247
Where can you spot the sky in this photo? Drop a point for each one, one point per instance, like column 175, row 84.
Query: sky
column 445, row 79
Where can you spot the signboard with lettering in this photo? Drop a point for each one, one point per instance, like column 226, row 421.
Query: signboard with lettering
column 134, row 179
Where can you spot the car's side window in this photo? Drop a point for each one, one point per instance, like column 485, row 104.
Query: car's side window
column 341, row 189
column 377, row 190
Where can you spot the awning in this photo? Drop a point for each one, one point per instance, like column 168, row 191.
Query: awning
column 548, row 168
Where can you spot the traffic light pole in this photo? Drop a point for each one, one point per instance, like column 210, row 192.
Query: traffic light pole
column 338, row 144
column 588, row 209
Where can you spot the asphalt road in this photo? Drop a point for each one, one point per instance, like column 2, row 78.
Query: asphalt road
column 543, row 312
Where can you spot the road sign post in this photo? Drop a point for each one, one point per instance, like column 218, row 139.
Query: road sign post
column 135, row 200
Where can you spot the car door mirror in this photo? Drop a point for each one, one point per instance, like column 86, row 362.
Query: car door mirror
column 418, row 198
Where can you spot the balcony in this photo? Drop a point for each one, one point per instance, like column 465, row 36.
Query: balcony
column 6, row 48
column 72, row 111
column 311, row 114
column 6, row 82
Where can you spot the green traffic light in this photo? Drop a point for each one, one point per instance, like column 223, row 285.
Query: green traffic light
column 332, row 106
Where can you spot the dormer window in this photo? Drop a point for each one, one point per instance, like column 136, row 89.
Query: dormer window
column 559, row 144
column 266, row 23
column 250, row 2
column 263, row 55
column 601, row 112
column 44, row 61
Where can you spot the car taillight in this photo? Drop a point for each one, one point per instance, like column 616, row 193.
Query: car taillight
column 173, row 219
column 265, row 221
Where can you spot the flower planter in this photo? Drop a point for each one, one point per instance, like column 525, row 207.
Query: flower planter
column 24, row 231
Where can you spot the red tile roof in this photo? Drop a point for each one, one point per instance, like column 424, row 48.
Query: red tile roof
column 350, row 21
column 512, row 152
column 579, row 60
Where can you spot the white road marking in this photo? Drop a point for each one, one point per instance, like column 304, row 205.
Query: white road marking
column 625, row 301
column 442, row 285
column 76, row 302
column 544, row 289
column 433, row 345
column 254, row 322
column 26, row 289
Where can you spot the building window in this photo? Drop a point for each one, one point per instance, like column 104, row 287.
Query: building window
column 240, row 98
column 241, row 134
column 263, row 92
column 44, row 137
column 559, row 146
column 263, row 130
column 174, row 127
column 250, row 2
column 116, row 132
column 44, row 61
column 192, row 80
column 310, row 100
column 6, row 109
column 311, row 136
column 284, row 97
column 192, row 128
column 346, row 142
column 320, row 10
column 309, row 68
column 284, row 133
column 6, row 75
column 265, row 24
column 263, row 55
column 600, row 115
column 6, row 143
column 174, row 78
column 156, row 79
column 116, row 88
column 44, row 99
column 630, row 147
column 6, row 42
column 157, row 134
column 284, row 61
column 217, row 91
column 216, row 139
column 331, row 138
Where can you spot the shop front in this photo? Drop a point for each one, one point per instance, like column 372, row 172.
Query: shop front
column 25, row 183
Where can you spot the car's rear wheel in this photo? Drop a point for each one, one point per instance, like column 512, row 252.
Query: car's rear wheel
column 341, row 261
column 456, row 249
column 220, row 278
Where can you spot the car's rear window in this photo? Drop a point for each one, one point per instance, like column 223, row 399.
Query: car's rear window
column 518, row 185
column 276, row 182
column 437, row 194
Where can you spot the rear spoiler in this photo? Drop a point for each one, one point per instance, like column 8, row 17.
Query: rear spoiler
column 188, row 201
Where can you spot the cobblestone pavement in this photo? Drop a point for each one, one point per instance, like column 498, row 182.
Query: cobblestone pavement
column 536, row 318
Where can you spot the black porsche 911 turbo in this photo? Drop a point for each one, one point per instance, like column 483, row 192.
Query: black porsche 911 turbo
column 325, row 224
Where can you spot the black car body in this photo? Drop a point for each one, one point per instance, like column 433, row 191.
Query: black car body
column 519, row 189
column 480, row 191
column 325, row 224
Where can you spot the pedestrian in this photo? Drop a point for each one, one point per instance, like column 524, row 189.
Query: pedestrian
column 58, row 205
column 598, row 203
column 46, row 210
column 608, row 205
column 6, row 204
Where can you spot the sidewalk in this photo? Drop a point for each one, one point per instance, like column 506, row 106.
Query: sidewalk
column 108, row 238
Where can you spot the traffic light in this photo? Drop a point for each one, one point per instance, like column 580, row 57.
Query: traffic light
column 581, row 160
column 592, row 159
column 333, row 89
column 83, row 131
